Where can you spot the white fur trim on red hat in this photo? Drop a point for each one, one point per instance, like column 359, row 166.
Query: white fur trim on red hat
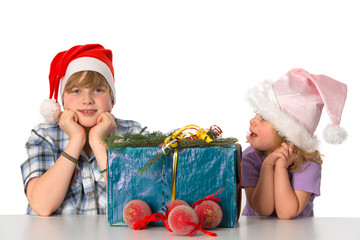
column 88, row 64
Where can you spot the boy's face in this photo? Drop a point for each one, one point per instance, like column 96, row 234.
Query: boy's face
column 263, row 136
column 88, row 103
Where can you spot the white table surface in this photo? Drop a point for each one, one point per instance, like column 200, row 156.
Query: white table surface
column 96, row 227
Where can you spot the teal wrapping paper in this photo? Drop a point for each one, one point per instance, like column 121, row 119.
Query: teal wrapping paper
column 201, row 171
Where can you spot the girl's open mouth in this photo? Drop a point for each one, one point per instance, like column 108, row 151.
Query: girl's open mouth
column 252, row 135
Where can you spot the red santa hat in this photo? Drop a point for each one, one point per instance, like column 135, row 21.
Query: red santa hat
column 294, row 104
column 90, row 57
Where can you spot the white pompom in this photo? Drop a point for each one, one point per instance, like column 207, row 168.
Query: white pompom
column 334, row 134
column 50, row 110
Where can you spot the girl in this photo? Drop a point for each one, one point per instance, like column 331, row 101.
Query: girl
column 65, row 172
column 282, row 167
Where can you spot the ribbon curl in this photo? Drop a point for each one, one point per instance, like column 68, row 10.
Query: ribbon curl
column 185, row 133
column 210, row 197
column 153, row 217
column 198, row 227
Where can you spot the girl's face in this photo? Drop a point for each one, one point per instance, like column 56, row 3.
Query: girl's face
column 88, row 103
column 263, row 136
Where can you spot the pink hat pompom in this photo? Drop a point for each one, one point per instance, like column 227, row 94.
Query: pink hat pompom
column 50, row 110
column 334, row 134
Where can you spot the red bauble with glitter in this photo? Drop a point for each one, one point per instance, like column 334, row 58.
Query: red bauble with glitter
column 135, row 211
column 183, row 220
column 209, row 213
column 174, row 204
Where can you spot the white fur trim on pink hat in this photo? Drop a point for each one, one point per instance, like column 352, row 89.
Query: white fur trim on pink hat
column 294, row 104
column 263, row 100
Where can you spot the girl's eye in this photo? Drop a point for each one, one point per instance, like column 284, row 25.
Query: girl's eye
column 261, row 118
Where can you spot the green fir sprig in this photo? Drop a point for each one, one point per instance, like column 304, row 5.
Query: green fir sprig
column 156, row 139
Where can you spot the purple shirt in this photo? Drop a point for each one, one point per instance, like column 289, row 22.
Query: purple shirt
column 306, row 179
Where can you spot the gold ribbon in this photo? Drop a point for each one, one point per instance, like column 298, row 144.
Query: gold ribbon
column 172, row 143
column 175, row 158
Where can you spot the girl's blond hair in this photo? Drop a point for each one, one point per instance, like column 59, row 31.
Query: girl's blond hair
column 303, row 157
column 92, row 79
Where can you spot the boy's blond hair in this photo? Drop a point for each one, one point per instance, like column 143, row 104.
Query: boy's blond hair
column 92, row 79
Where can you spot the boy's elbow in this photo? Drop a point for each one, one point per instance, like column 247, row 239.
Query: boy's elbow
column 43, row 212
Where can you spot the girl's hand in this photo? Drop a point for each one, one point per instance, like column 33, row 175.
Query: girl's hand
column 286, row 155
column 104, row 126
column 281, row 152
column 69, row 123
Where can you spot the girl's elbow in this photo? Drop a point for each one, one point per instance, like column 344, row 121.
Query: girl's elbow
column 264, row 211
column 286, row 216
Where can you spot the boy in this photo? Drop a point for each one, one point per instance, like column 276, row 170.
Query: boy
column 65, row 172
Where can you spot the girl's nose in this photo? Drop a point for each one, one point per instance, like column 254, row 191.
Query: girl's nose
column 253, row 121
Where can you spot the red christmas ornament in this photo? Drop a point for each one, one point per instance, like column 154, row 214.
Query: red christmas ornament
column 174, row 204
column 183, row 220
column 209, row 213
column 135, row 211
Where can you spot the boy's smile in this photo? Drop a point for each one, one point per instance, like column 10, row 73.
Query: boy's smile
column 88, row 112
column 88, row 103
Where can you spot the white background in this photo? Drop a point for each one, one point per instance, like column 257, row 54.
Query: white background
column 183, row 62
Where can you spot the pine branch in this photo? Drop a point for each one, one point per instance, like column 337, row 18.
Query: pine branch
column 155, row 139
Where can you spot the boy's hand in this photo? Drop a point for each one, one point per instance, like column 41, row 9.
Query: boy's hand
column 69, row 123
column 104, row 126
column 286, row 155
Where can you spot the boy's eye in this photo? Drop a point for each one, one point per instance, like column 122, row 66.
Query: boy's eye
column 99, row 90
column 76, row 91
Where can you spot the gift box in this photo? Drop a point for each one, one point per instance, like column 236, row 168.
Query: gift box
column 200, row 171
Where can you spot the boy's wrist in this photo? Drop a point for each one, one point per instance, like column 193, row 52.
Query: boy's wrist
column 78, row 142
column 95, row 141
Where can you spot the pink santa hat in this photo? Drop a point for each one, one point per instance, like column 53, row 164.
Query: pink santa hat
column 294, row 104
column 89, row 57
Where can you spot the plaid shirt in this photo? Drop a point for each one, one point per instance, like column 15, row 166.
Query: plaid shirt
column 88, row 196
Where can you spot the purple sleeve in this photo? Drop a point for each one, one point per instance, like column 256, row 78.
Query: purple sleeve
column 251, row 165
column 308, row 178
